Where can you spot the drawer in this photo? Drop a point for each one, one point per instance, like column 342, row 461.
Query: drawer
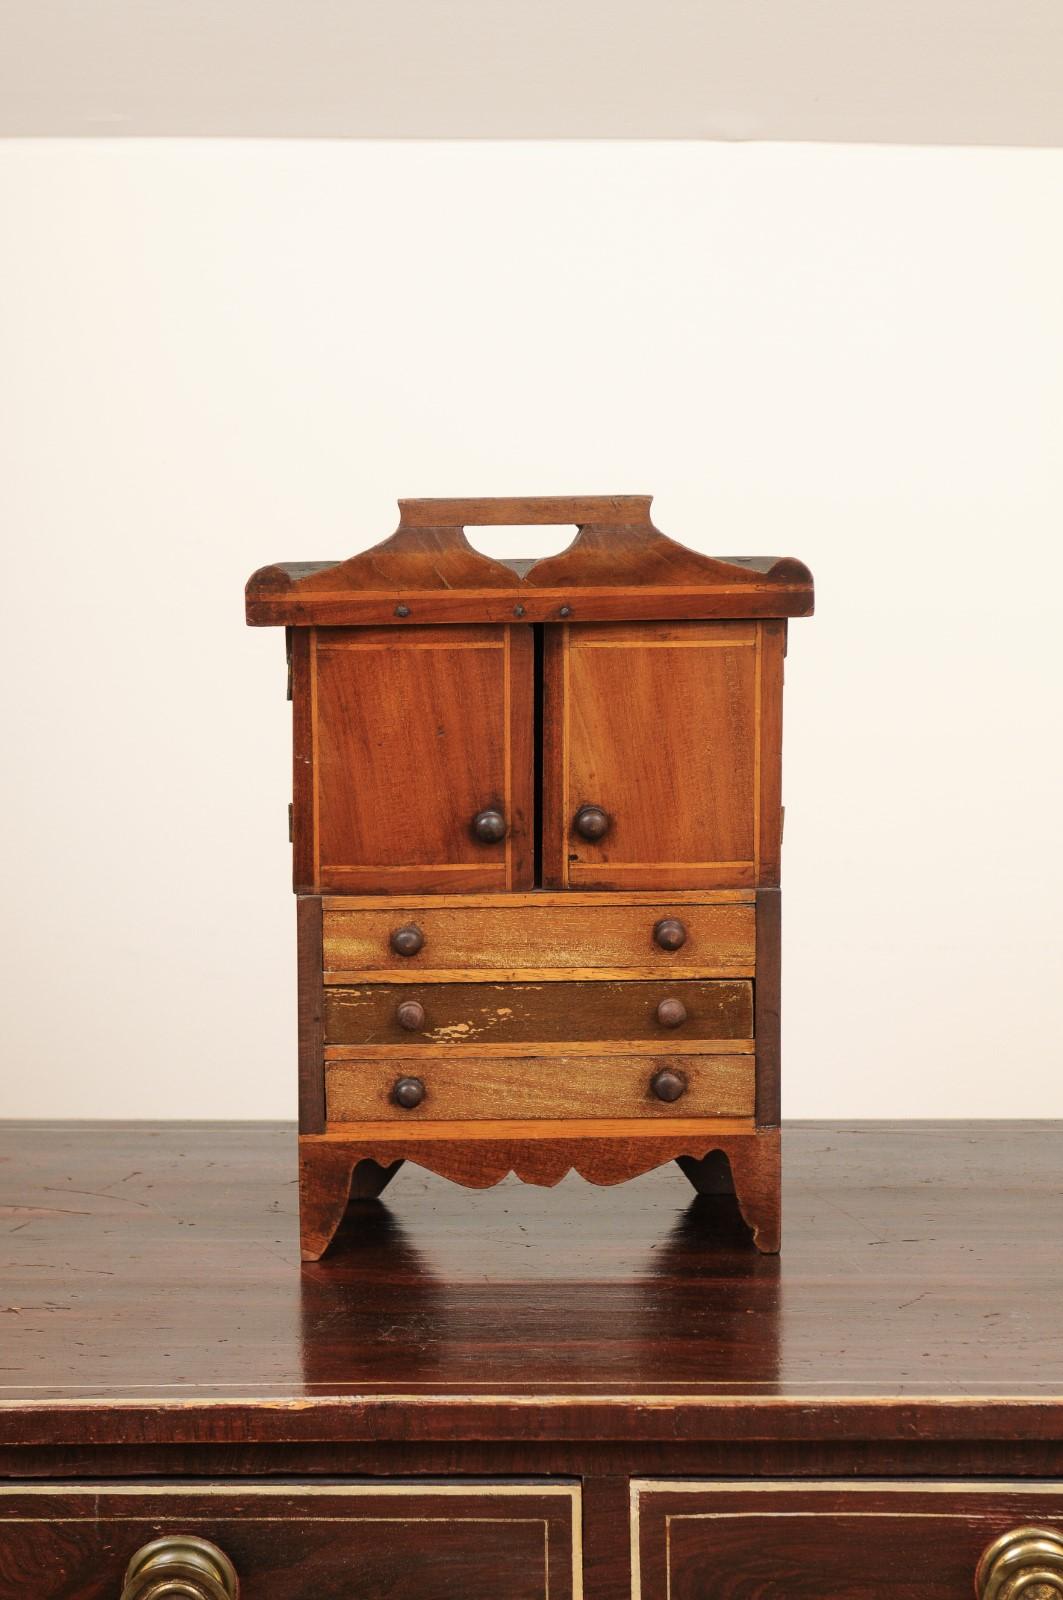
column 474, row 1014
column 406, row 1541
column 900, row 1541
column 542, row 933
column 550, row 1087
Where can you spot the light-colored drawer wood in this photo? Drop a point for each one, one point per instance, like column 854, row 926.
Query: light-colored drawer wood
column 530, row 934
column 476, row 1013
column 558, row 1086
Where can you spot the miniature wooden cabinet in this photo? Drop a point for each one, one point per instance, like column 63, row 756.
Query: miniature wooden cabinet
column 536, row 829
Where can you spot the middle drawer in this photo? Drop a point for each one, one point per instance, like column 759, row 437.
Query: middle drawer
column 446, row 1014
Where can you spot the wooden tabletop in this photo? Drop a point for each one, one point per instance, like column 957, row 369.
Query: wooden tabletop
column 153, row 1270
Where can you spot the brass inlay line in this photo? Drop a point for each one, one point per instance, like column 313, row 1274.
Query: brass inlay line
column 657, row 1400
column 470, row 1488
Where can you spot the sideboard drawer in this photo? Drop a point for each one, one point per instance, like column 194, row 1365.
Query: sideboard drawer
column 710, row 938
column 460, row 1541
column 504, row 1087
column 897, row 1540
column 472, row 1014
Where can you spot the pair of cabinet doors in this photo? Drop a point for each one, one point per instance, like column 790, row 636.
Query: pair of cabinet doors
column 404, row 737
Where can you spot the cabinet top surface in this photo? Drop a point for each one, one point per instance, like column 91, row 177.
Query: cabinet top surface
column 618, row 567
column 152, row 1284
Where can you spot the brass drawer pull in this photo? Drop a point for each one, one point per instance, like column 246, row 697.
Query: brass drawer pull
column 489, row 826
column 406, row 941
column 408, row 1093
column 180, row 1567
column 1025, row 1564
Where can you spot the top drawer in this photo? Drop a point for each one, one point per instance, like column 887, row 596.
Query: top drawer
column 408, row 1541
column 707, row 936
column 851, row 1541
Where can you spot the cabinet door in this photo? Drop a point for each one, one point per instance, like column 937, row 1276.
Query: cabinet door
column 402, row 737
column 673, row 731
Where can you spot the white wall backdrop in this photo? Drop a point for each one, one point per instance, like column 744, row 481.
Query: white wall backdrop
column 219, row 354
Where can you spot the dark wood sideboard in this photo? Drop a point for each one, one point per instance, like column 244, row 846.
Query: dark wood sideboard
column 532, row 1394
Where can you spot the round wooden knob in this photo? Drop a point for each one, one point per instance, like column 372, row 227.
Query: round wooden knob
column 591, row 822
column 668, row 1085
column 180, row 1565
column 410, row 1015
column 408, row 1092
column 489, row 826
column 669, row 933
column 671, row 1013
column 1026, row 1561
column 408, row 940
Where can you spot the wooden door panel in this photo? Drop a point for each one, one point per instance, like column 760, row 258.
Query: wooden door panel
column 411, row 734
column 771, row 1541
column 406, row 1541
column 673, row 730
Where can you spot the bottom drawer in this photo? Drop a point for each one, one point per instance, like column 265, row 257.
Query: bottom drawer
column 575, row 1087
column 467, row 1541
column 905, row 1541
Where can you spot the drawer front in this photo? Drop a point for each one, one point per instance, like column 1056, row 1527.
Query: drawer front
column 552, row 1087
column 718, row 939
column 475, row 1014
column 460, row 1542
column 900, row 1541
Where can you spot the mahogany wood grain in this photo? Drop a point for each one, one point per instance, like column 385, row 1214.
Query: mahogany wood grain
column 411, row 737
column 554, row 1086
column 897, row 1540
column 673, row 731
column 480, row 1154
column 548, row 934
column 496, row 1013
column 290, row 1542
column 767, row 996
column 771, row 660
column 618, row 566
column 301, row 826
column 154, row 1317
column 541, row 899
column 310, row 1014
